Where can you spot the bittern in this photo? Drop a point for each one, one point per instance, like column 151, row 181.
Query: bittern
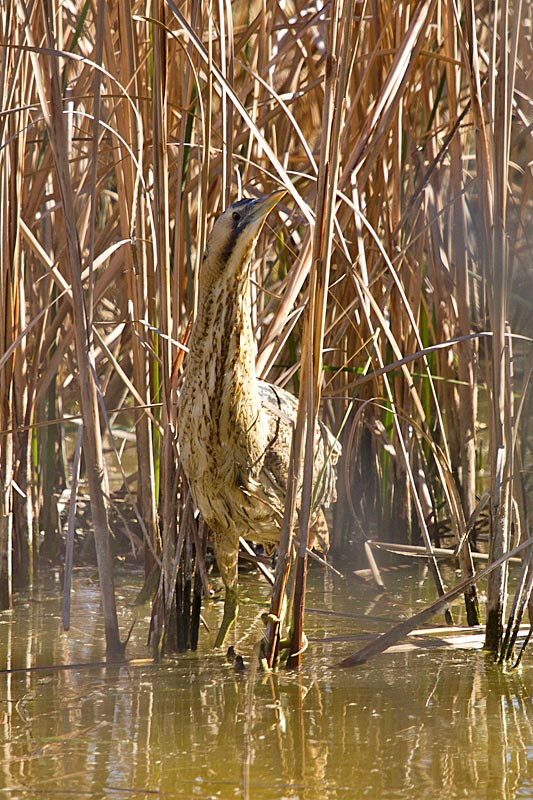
column 234, row 430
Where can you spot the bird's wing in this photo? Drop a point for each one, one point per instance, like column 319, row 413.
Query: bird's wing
column 281, row 408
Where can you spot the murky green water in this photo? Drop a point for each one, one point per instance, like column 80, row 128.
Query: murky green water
column 435, row 723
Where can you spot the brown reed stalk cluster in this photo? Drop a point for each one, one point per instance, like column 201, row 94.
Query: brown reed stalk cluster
column 394, row 295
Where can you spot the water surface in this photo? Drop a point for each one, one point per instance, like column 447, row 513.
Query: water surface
column 432, row 723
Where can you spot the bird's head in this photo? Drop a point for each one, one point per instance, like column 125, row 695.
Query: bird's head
column 234, row 234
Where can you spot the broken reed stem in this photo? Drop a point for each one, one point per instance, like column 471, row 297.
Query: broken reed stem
column 416, row 551
column 386, row 640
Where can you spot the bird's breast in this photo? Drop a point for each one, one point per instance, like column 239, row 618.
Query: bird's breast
column 223, row 438
column 223, row 468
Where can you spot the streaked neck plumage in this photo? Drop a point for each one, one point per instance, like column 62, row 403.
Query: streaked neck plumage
column 222, row 350
column 223, row 429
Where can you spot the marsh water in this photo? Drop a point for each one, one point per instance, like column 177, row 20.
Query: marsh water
column 430, row 722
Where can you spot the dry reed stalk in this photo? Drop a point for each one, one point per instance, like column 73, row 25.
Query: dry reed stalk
column 51, row 107
column 336, row 78
column 493, row 137
column 8, row 284
column 135, row 219
column 88, row 388
column 69, row 544
column 168, row 467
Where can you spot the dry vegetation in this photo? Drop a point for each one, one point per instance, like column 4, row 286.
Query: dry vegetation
column 401, row 258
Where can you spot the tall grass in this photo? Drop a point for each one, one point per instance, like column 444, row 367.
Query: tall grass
column 394, row 292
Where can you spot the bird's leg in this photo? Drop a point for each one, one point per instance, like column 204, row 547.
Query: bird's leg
column 227, row 558
column 231, row 607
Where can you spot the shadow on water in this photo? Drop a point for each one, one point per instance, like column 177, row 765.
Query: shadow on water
column 421, row 724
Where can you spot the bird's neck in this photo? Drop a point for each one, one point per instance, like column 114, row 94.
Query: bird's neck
column 221, row 368
column 222, row 347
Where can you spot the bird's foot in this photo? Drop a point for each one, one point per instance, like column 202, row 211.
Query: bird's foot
column 231, row 606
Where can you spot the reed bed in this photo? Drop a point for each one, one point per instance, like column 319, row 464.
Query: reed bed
column 392, row 295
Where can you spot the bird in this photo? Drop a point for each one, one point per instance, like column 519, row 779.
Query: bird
column 235, row 430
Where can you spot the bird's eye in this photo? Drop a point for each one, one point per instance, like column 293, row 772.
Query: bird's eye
column 236, row 217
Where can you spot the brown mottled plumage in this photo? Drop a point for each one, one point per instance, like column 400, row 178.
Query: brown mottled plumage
column 235, row 430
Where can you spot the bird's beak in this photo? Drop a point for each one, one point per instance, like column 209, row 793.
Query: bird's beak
column 264, row 206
